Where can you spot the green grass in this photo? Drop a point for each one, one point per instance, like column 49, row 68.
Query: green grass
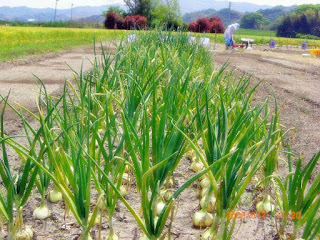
column 252, row 32
column 263, row 37
column 19, row 42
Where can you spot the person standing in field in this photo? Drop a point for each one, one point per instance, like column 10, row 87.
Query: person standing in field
column 228, row 34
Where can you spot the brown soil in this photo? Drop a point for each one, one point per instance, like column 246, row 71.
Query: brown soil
column 20, row 77
column 296, row 84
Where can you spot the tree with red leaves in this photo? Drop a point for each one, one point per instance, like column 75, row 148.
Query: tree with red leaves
column 129, row 22
column 141, row 22
column 203, row 25
column 135, row 21
column 216, row 25
column 192, row 27
column 211, row 25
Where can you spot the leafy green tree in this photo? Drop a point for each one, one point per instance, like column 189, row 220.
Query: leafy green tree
column 253, row 21
column 304, row 21
column 167, row 12
column 285, row 29
column 115, row 9
column 301, row 25
column 141, row 7
column 307, row 7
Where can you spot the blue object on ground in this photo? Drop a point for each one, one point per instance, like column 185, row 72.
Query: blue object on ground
column 304, row 46
column 272, row 44
column 228, row 42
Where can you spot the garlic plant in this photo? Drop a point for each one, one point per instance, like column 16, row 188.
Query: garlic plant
column 24, row 234
column 208, row 202
column 55, row 195
column 196, row 166
column 202, row 219
column 230, row 125
column 299, row 199
column 265, row 206
column 166, row 142
column 42, row 212
column 18, row 186
column 159, row 207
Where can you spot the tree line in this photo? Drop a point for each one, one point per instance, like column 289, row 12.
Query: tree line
column 144, row 13
column 149, row 13
column 303, row 22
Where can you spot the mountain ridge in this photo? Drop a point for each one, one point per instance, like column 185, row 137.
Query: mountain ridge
column 47, row 14
column 271, row 14
column 94, row 13
column 188, row 6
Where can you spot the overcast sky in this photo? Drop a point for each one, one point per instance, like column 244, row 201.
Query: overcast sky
column 67, row 3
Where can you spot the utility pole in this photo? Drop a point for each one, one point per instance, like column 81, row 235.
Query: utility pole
column 230, row 13
column 55, row 11
column 71, row 11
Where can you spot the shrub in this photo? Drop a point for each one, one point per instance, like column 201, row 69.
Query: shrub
column 141, row 22
column 203, row 25
column 216, row 25
column 173, row 25
column 307, row 36
column 192, row 27
column 135, row 21
column 211, row 25
column 129, row 22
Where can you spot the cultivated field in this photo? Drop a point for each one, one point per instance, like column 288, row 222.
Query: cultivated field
column 20, row 42
column 264, row 37
column 131, row 145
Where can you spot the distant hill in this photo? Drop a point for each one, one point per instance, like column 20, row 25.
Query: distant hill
column 47, row 14
column 191, row 9
column 92, row 19
column 229, row 18
column 188, row 6
column 193, row 16
column 272, row 14
column 224, row 14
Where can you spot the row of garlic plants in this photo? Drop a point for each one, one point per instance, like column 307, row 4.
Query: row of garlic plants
column 130, row 122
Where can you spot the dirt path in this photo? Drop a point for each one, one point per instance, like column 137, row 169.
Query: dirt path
column 296, row 82
column 20, row 77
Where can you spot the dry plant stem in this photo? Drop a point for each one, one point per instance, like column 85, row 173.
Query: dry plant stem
column 100, row 224
column 18, row 225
